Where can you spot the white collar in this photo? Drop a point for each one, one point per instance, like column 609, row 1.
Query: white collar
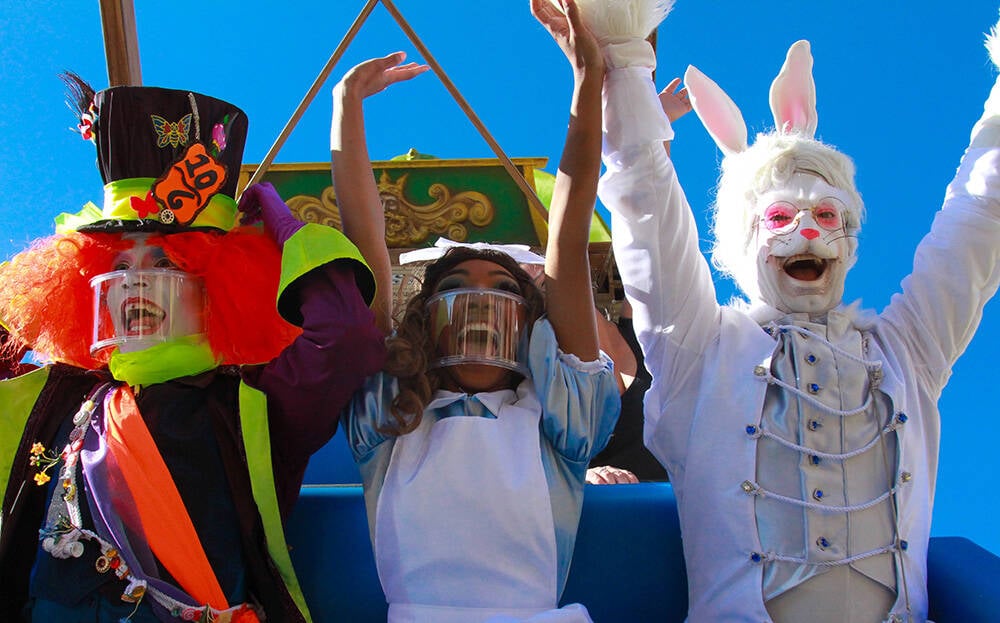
column 492, row 401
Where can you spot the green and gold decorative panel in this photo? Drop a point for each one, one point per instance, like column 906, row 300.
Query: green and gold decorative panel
column 472, row 200
column 425, row 199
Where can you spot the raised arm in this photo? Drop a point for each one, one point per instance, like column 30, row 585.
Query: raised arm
column 570, row 300
column 956, row 269
column 353, row 181
column 325, row 289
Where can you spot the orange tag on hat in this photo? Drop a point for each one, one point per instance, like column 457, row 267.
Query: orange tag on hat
column 188, row 185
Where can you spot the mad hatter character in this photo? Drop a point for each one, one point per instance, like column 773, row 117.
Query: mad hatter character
column 148, row 468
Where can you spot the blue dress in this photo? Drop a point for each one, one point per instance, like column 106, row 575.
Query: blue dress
column 571, row 409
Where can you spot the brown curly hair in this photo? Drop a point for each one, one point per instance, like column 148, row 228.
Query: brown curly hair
column 410, row 348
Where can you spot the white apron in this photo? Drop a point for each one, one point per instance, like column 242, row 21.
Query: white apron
column 464, row 530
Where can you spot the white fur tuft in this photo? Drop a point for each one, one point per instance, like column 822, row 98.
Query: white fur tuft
column 617, row 20
column 993, row 44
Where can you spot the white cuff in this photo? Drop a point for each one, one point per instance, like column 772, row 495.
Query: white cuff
column 630, row 53
column 602, row 364
column 632, row 111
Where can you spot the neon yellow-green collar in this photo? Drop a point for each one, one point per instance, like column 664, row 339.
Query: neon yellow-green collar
column 184, row 356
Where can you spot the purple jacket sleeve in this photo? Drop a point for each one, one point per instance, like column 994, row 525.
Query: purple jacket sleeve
column 311, row 381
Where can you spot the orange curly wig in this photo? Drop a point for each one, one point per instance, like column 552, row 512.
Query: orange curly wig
column 46, row 301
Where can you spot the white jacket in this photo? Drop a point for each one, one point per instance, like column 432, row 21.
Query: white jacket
column 703, row 355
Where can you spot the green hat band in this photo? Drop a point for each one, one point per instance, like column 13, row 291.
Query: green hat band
column 130, row 200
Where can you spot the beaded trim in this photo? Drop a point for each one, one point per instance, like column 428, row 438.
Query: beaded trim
column 63, row 534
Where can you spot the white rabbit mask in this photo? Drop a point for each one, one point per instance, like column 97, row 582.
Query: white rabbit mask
column 787, row 212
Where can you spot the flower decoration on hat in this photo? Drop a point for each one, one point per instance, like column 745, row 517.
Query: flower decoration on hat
column 86, row 125
column 219, row 136
column 81, row 100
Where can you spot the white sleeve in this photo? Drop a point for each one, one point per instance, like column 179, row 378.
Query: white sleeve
column 956, row 268
column 666, row 277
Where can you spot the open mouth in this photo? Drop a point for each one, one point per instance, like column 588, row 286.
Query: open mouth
column 805, row 267
column 479, row 337
column 141, row 317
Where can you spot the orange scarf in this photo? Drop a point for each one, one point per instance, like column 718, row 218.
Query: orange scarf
column 165, row 520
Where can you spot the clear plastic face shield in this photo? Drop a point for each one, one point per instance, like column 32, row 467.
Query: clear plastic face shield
column 136, row 309
column 477, row 326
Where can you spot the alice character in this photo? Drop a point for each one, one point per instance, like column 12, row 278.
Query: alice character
column 474, row 441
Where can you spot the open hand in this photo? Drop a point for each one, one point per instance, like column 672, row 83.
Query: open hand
column 566, row 26
column 374, row 75
column 675, row 103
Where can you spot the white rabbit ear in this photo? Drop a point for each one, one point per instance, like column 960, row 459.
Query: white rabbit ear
column 793, row 93
column 717, row 111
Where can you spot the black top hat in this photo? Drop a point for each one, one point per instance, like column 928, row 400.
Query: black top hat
column 170, row 159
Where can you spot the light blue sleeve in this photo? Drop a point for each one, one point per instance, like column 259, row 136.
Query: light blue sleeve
column 365, row 414
column 580, row 406
column 580, row 400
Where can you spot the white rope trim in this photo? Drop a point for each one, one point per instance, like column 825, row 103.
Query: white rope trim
column 870, row 364
column 875, row 376
column 825, row 455
column 888, row 549
column 756, row 490
column 770, row 379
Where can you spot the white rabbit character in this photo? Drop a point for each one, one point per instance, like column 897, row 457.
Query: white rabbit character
column 801, row 436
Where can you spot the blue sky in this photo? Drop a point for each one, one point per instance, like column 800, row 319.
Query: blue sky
column 899, row 83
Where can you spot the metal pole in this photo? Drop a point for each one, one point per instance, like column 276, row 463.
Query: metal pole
column 515, row 173
column 311, row 94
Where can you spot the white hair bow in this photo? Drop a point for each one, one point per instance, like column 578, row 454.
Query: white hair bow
column 521, row 253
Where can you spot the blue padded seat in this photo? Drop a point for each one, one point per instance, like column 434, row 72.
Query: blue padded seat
column 628, row 565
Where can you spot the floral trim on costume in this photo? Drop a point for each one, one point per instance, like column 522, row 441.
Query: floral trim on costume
column 63, row 534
